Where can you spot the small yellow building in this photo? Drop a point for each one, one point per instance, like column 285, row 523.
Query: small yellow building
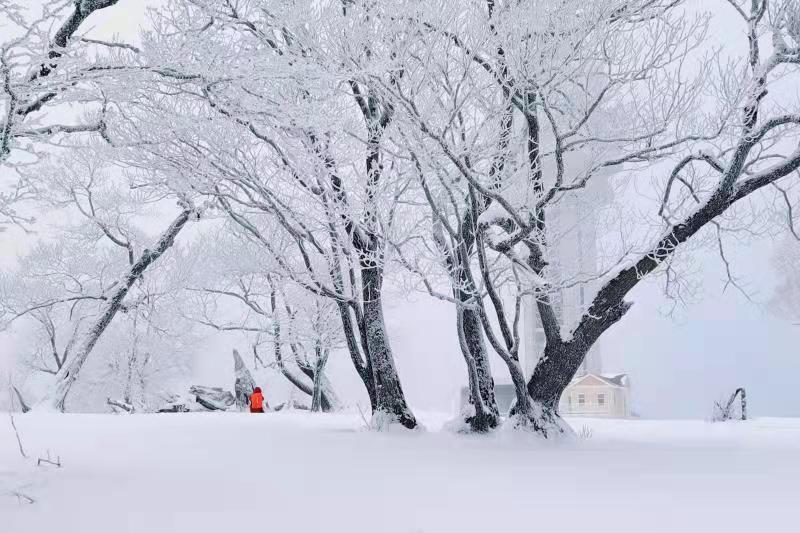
column 591, row 395
column 597, row 395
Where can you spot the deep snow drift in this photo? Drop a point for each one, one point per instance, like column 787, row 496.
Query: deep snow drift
column 298, row 472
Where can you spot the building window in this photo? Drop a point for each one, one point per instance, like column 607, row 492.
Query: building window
column 601, row 399
column 581, row 400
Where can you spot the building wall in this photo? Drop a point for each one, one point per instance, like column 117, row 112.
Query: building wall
column 617, row 400
column 616, row 404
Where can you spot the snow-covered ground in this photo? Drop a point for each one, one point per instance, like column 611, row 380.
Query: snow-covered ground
column 297, row 472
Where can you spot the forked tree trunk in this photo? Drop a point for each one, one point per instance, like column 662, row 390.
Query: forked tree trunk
column 321, row 388
column 319, row 383
column 473, row 343
column 328, row 401
column 389, row 397
column 68, row 373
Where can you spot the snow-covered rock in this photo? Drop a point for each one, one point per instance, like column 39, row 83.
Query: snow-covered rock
column 245, row 384
column 213, row 398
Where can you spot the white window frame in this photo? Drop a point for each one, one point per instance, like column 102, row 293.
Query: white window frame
column 581, row 399
column 603, row 396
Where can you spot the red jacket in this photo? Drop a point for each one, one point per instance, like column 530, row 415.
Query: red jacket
column 257, row 400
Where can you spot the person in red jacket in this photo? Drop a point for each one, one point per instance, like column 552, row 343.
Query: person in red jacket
column 257, row 402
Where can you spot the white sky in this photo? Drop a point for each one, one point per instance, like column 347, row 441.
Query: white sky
column 678, row 366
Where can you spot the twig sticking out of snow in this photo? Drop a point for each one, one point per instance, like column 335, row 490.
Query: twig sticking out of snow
column 22, row 497
column 55, row 462
column 16, row 432
column 363, row 416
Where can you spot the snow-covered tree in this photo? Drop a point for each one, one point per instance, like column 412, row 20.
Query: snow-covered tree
column 92, row 267
column 39, row 73
column 520, row 109
column 344, row 142
column 255, row 113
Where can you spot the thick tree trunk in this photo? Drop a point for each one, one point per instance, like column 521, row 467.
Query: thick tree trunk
column 389, row 397
column 550, row 378
column 486, row 415
column 362, row 364
column 389, row 400
column 69, row 372
column 554, row 372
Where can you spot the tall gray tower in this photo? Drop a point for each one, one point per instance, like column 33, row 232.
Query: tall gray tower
column 573, row 264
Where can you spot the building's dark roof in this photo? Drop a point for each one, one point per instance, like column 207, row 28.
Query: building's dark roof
column 620, row 380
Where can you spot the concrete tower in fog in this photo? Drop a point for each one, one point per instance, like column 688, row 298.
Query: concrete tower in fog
column 573, row 260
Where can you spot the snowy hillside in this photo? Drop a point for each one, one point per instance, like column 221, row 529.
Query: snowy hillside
column 295, row 472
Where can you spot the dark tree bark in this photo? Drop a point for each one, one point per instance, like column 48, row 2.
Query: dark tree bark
column 82, row 10
column 389, row 396
column 481, row 382
column 487, row 415
column 362, row 364
column 18, row 110
column 473, row 345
